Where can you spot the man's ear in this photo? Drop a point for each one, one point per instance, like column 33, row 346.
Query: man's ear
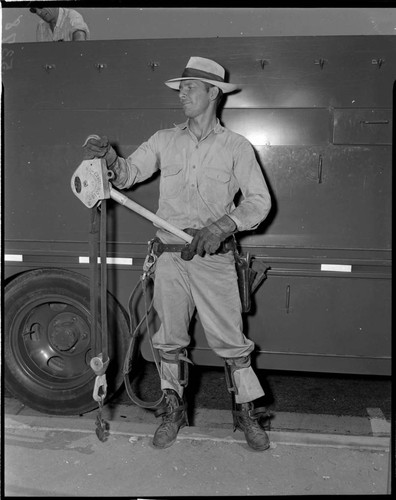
column 213, row 92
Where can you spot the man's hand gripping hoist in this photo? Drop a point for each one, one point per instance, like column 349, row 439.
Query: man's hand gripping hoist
column 91, row 184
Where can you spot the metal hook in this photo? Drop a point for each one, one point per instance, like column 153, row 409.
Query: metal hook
column 100, row 66
column 379, row 62
column 100, row 387
column 320, row 62
column 48, row 67
column 153, row 65
column 263, row 62
column 320, row 167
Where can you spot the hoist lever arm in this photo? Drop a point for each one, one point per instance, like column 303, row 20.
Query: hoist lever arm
column 135, row 207
column 91, row 184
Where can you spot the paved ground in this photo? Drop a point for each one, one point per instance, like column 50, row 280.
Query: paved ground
column 309, row 454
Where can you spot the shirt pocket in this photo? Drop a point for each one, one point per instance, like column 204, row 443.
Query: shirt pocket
column 216, row 186
column 171, row 180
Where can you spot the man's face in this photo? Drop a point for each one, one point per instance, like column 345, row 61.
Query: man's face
column 48, row 14
column 194, row 97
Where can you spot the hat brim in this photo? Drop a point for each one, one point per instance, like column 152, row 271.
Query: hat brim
column 174, row 83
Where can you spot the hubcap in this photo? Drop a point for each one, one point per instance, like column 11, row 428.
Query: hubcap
column 57, row 341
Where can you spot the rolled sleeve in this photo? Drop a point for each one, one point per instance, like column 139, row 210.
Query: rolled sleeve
column 139, row 166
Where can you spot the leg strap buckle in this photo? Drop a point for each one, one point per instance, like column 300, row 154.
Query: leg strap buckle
column 178, row 357
column 231, row 366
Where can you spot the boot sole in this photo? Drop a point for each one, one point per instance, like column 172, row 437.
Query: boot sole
column 257, row 448
column 167, row 445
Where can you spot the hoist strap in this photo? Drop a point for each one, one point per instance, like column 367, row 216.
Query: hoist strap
column 94, row 277
column 103, row 281
column 98, row 282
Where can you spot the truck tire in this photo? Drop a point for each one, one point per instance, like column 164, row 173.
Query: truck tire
column 47, row 342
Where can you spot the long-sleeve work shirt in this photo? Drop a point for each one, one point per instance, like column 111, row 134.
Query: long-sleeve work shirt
column 199, row 179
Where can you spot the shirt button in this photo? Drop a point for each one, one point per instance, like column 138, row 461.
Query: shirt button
column 193, row 166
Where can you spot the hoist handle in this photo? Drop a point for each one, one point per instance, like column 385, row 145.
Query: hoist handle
column 135, row 207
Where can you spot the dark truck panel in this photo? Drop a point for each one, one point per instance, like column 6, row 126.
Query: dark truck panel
column 318, row 111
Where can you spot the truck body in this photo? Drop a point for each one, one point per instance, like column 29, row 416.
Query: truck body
column 317, row 110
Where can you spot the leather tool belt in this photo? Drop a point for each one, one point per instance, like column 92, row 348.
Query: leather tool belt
column 248, row 279
column 157, row 247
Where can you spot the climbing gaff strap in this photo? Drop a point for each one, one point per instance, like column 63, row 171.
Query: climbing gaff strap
column 230, row 366
column 178, row 357
column 99, row 343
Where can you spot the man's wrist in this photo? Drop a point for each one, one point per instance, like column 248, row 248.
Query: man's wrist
column 111, row 157
column 226, row 225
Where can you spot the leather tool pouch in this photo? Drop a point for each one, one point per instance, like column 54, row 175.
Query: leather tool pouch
column 248, row 279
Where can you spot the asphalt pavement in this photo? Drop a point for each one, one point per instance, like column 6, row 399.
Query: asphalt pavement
column 310, row 454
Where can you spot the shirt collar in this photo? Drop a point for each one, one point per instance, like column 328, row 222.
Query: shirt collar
column 218, row 128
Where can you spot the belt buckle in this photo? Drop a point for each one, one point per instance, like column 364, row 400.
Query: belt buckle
column 227, row 245
column 156, row 247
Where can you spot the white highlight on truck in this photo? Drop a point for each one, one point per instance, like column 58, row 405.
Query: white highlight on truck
column 125, row 261
column 9, row 257
column 342, row 268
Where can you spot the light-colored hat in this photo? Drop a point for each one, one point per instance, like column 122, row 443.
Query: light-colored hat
column 206, row 70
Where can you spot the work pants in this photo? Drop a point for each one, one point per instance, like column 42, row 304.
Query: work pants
column 210, row 285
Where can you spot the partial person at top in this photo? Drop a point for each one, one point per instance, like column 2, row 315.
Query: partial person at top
column 58, row 24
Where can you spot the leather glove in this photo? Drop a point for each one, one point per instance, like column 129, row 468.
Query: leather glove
column 99, row 147
column 209, row 238
column 187, row 253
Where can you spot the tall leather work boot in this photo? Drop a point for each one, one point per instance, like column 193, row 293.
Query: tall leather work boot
column 174, row 417
column 245, row 419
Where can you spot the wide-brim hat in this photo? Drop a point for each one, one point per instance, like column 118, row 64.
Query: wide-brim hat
column 206, row 70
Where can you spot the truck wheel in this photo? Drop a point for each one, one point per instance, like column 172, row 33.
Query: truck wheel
column 47, row 342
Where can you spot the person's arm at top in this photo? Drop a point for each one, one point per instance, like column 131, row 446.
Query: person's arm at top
column 79, row 35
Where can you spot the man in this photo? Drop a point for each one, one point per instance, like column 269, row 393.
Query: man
column 59, row 24
column 203, row 165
